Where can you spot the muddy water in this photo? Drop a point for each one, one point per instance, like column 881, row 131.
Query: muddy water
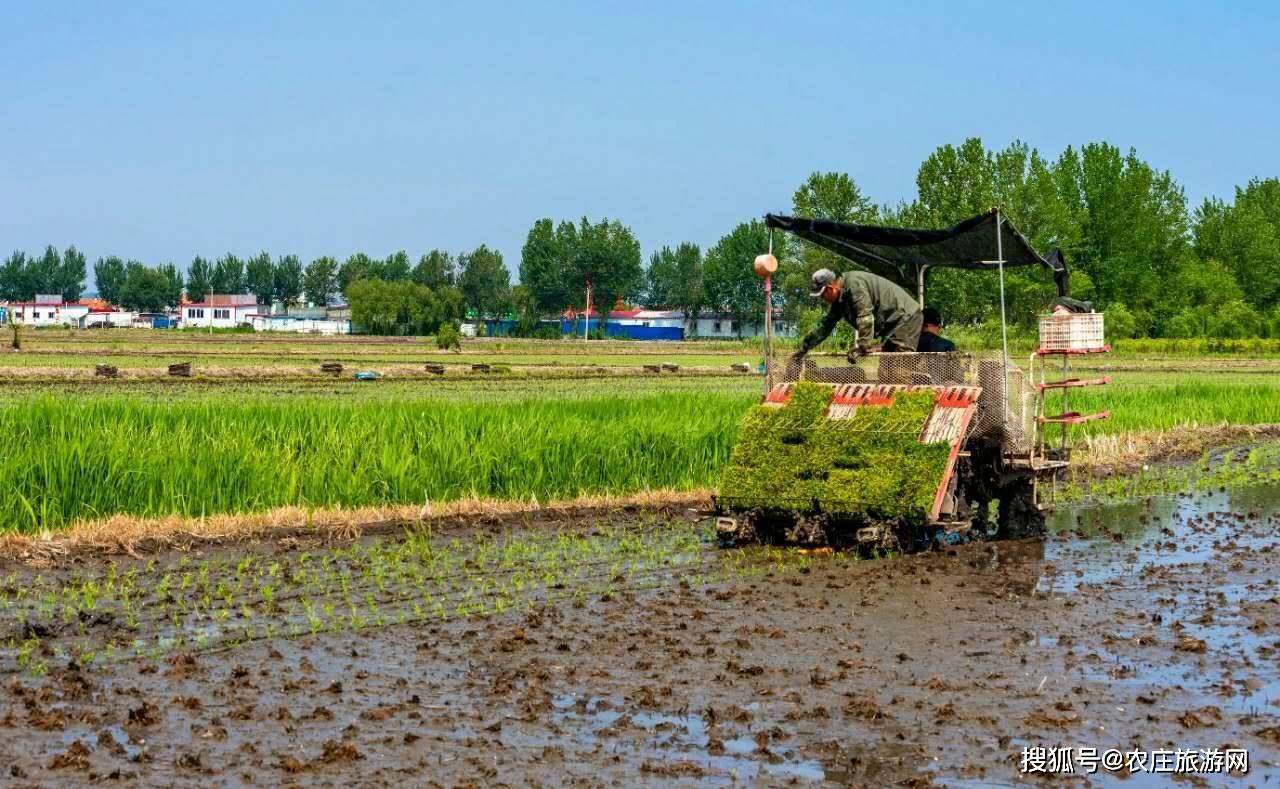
column 1146, row 626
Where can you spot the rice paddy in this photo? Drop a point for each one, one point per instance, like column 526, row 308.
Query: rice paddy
column 85, row 449
column 75, row 459
column 148, row 610
column 292, row 576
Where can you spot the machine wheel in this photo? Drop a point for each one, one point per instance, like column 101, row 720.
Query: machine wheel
column 807, row 531
column 1019, row 517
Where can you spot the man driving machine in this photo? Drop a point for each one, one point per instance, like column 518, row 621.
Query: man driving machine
column 873, row 305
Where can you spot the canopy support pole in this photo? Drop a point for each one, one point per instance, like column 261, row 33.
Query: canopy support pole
column 1004, row 321
column 920, row 272
column 768, row 326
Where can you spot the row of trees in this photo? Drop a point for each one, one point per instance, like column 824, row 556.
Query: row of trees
column 134, row 286
column 22, row 277
column 1131, row 241
column 438, row 288
column 391, row 297
column 1125, row 229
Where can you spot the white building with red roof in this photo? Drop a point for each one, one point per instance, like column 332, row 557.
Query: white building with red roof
column 220, row 311
column 47, row 310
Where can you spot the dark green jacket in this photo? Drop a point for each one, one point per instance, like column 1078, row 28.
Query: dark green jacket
column 873, row 305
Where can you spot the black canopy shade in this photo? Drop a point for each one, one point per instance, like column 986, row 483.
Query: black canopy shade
column 900, row 254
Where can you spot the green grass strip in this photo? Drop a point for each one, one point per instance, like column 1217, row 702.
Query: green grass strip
column 72, row 459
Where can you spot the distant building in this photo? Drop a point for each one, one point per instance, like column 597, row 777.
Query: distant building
column 107, row 318
column 103, row 315
column 156, row 320
column 645, row 324
column 641, row 324
column 294, row 323
column 47, row 310
column 713, row 325
column 220, row 311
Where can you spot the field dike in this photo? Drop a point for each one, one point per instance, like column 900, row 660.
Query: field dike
column 123, row 534
column 1124, row 453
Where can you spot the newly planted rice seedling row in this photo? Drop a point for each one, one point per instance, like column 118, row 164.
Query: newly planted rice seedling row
column 147, row 611
column 1233, row 469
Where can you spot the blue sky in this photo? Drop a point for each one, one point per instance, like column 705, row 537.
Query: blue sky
column 161, row 131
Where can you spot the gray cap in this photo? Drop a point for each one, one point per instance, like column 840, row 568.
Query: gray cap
column 820, row 279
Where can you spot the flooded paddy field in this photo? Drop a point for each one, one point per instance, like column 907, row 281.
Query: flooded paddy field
column 631, row 649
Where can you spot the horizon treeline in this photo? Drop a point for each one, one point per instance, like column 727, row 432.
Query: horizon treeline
column 1132, row 242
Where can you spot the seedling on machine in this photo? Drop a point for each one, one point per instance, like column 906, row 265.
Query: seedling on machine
column 901, row 451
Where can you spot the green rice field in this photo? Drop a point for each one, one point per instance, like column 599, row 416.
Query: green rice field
column 77, row 450
column 74, row 459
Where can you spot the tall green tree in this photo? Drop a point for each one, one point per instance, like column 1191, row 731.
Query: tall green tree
column 287, row 280
column 228, row 275
column 607, row 256
column 199, row 279
column 557, row 262
column 16, row 278
column 1134, row 227
column 358, row 266
column 320, row 280
column 69, row 280
column 435, row 270
column 109, row 273
column 260, row 278
column 1245, row 238
column 401, row 307
column 1121, row 223
column 173, row 285
column 545, row 261
column 485, row 282
column 46, row 273
column 729, row 279
column 674, row 279
column 145, row 289
column 396, row 268
column 834, row 196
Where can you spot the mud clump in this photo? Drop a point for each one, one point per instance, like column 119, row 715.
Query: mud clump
column 685, row 768
column 76, row 757
column 863, row 708
column 1191, row 644
column 291, row 764
column 335, row 752
column 147, row 714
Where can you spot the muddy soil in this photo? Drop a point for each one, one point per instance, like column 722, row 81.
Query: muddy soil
column 1147, row 626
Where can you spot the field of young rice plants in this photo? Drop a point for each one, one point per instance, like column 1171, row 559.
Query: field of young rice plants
column 69, row 459
column 88, row 449
column 221, row 602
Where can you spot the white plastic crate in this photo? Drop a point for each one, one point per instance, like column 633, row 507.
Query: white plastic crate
column 1076, row 331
